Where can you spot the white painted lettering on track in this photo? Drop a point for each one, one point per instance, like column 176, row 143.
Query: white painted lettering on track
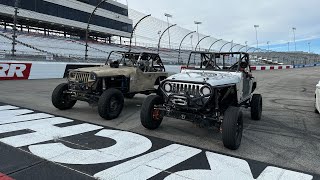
column 127, row 145
column 7, row 114
column 45, row 132
column 35, row 125
column 14, row 119
column 8, row 107
column 149, row 165
column 226, row 167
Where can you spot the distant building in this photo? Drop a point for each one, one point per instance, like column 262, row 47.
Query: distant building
column 69, row 16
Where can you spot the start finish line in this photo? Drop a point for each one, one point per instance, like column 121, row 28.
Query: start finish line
column 131, row 156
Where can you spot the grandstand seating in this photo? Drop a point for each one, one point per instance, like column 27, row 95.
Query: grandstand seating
column 67, row 49
column 71, row 48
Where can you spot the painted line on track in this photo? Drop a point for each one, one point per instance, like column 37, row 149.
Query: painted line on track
column 108, row 153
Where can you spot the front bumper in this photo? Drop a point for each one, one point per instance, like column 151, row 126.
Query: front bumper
column 81, row 87
column 83, row 91
column 194, row 117
column 185, row 102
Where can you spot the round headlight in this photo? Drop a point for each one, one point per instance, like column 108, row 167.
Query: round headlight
column 167, row 87
column 205, row 90
column 93, row 76
column 71, row 75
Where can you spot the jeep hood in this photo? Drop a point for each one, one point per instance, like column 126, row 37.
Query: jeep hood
column 105, row 71
column 214, row 78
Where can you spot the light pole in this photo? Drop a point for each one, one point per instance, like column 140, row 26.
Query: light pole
column 256, row 28
column 288, row 46
column 294, row 38
column 198, row 23
column 268, row 45
column 309, row 47
column 168, row 16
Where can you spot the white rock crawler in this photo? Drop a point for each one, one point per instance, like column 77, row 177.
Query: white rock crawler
column 209, row 92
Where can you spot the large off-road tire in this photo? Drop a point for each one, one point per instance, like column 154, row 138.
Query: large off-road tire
column 256, row 107
column 61, row 100
column 232, row 127
column 110, row 104
column 151, row 118
column 129, row 96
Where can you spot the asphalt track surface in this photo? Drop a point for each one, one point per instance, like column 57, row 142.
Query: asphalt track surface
column 288, row 136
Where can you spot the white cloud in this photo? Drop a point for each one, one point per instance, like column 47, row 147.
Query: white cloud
column 234, row 19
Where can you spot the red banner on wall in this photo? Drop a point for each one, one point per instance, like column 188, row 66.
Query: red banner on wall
column 14, row 71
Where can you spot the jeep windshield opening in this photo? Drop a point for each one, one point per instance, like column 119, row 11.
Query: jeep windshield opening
column 147, row 62
column 122, row 58
column 226, row 61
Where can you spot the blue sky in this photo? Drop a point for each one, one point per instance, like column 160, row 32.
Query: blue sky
column 301, row 46
column 234, row 19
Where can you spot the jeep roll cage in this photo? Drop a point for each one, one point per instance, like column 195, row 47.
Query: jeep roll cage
column 135, row 59
column 210, row 61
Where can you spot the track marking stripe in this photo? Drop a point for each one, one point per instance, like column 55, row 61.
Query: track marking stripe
column 8, row 107
column 21, row 118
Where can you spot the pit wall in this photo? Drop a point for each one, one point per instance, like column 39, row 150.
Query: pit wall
column 306, row 65
column 23, row 70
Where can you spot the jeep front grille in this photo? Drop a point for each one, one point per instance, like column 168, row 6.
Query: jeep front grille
column 184, row 88
column 81, row 77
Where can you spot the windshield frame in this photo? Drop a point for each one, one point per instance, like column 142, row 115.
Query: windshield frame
column 212, row 57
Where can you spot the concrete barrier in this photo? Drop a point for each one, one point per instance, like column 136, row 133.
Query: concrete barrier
column 22, row 70
column 19, row 70
column 276, row 67
column 306, row 65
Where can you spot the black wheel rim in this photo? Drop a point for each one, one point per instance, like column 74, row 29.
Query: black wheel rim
column 114, row 104
column 65, row 98
column 156, row 116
